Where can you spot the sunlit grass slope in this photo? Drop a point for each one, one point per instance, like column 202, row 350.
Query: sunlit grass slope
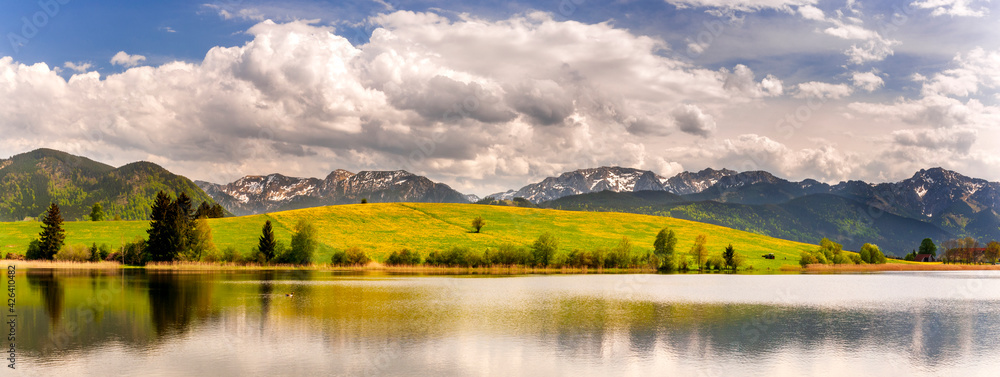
column 379, row 229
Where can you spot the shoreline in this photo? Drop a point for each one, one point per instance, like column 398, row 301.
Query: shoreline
column 889, row 267
column 491, row 270
column 371, row 267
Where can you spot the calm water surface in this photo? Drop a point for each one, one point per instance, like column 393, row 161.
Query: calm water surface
column 235, row 324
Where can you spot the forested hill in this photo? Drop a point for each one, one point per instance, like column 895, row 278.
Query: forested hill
column 30, row 181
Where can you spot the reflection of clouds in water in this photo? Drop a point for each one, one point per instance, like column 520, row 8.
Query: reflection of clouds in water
column 575, row 325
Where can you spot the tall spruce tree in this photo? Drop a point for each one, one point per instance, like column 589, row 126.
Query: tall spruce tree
column 166, row 237
column 267, row 244
column 53, row 236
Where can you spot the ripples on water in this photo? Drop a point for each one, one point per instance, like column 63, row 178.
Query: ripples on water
column 229, row 324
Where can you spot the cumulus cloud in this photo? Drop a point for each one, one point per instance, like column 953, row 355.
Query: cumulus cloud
column 692, row 120
column 816, row 89
column 424, row 94
column 756, row 152
column 959, row 8
column 742, row 5
column 868, row 81
column 79, row 67
column 810, row 12
column 975, row 70
column 126, row 60
column 954, row 139
column 742, row 80
column 938, row 105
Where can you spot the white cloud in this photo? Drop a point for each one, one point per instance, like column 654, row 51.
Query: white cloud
column 742, row 80
column 77, row 67
column 126, row 60
column 230, row 12
column 425, row 94
column 867, row 81
column 937, row 107
column 742, row 5
column 959, row 8
column 975, row 70
column 168, row 29
column 810, row 12
column 872, row 50
column 692, row 120
column 756, row 152
column 816, row 89
column 959, row 140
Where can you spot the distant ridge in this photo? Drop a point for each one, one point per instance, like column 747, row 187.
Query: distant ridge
column 30, row 181
column 275, row 192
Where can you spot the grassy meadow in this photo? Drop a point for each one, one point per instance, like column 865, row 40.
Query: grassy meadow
column 380, row 229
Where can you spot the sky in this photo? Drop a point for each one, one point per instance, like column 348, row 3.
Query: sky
column 494, row 95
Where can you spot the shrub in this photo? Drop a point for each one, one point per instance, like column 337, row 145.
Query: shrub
column 478, row 223
column 34, row 251
column 508, row 254
column 543, row 249
column 806, row 258
column 303, row 246
column 13, row 256
column 73, row 253
column 135, row 252
column 457, row 256
column 403, row 257
column 715, row 262
column 350, row 257
column 230, row 255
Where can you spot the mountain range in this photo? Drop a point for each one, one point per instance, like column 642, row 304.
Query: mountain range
column 935, row 203
column 258, row 194
column 30, row 181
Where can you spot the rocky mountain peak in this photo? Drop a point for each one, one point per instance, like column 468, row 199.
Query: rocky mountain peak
column 687, row 183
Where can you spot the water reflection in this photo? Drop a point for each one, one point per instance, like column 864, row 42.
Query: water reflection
column 525, row 326
column 47, row 283
column 174, row 298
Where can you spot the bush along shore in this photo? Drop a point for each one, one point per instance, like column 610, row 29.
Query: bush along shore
column 179, row 237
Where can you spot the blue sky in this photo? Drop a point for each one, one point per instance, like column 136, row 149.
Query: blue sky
column 830, row 90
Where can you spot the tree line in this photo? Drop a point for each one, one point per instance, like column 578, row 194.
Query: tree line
column 177, row 232
column 830, row 252
column 544, row 252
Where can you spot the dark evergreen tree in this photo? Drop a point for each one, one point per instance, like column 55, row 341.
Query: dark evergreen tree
column 53, row 236
column 165, row 237
column 204, row 211
column 217, row 212
column 209, row 211
column 97, row 212
column 729, row 255
column 267, row 244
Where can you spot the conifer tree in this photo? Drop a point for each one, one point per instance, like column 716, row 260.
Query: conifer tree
column 53, row 236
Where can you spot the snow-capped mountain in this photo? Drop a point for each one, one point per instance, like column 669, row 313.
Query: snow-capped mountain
column 687, row 183
column 617, row 179
column 587, row 180
column 275, row 192
column 928, row 193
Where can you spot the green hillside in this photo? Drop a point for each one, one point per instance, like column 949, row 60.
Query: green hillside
column 379, row 229
column 807, row 218
column 30, row 181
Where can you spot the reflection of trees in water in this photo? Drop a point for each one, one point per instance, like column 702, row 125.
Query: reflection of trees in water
column 266, row 289
column 52, row 292
column 175, row 298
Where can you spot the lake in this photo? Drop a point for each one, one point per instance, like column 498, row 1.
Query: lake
column 135, row 322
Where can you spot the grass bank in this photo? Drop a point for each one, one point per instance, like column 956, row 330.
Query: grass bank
column 379, row 229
